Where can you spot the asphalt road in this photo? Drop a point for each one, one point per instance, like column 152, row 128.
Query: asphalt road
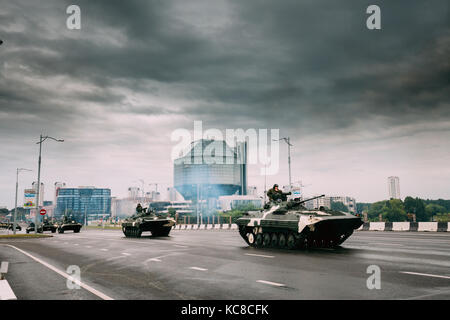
column 219, row 265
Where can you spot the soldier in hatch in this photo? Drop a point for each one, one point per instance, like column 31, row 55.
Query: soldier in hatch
column 275, row 194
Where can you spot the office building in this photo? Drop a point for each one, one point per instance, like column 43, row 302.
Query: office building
column 211, row 168
column 91, row 202
column 394, row 187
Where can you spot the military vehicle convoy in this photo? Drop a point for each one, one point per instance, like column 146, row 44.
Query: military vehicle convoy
column 68, row 224
column 147, row 220
column 290, row 225
column 46, row 226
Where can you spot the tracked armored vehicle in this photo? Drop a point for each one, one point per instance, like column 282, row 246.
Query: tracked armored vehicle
column 147, row 220
column 69, row 224
column 288, row 224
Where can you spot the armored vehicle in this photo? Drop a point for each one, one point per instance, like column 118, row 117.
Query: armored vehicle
column 68, row 224
column 290, row 225
column 9, row 226
column 46, row 226
column 147, row 220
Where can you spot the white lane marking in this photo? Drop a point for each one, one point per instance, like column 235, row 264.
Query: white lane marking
column 104, row 249
column 65, row 275
column 180, row 246
column 197, row 268
column 425, row 274
column 75, row 244
column 271, row 283
column 6, row 292
column 258, row 255
column 65, row 243
column 153, row 259
column 387, row 244
column 125, row 253
column 4, row 267
column 88, row 247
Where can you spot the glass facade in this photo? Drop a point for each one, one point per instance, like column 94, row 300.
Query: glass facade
column 92, row 202
column 210, row 169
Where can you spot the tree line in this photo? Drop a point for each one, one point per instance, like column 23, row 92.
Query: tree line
column 394, row 210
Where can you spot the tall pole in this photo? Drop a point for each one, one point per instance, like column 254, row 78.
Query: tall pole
column 17, row 189
column 38, row 186
column 15, row 206
column 288, row 141
column 289, row 162
column 41, row 140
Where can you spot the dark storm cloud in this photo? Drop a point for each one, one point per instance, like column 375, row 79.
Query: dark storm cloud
column 307, row 58
column 310, row 68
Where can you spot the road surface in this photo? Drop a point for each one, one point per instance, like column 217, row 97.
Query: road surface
column 219, row 265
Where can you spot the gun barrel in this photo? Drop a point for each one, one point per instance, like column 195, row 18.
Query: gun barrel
column 303, row 201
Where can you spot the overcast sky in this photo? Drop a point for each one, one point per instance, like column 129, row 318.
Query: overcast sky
column 359, row 105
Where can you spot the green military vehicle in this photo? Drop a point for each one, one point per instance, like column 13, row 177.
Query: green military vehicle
column 147, row 220
column 290, row 225
column 45, row 226
column 68, row 223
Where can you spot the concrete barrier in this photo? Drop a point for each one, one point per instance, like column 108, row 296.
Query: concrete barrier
column 376, row 226
column 427, row 226
column 400, row 226
column 367, row 226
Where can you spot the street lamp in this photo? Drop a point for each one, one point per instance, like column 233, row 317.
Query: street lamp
column 288, row 141
column 41, row 140
column 17, row 188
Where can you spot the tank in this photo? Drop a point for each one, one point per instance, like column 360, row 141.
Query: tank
column 68, row 224
column 288, row 224
column 147, row 220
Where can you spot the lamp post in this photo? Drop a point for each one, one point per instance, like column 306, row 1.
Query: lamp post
column 288, row 141
column 41, row 140
column 17, row 188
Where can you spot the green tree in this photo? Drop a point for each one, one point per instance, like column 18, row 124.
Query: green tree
column 339, row 206
column 434, row 209
column 394, row 211
column 375, row 209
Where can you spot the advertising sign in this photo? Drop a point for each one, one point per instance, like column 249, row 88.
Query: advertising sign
column 29, row 199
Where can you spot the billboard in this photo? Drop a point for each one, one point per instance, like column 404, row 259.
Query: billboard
column 29, row 198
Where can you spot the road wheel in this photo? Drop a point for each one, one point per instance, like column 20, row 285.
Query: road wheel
column 282, row 240
column 138, row 233
column 259, row 240
column 291, row 241
column 266, row 240
column 76, row 230
column 251, row 238
column 274, row 240
column 60, row 230
column 53, row 230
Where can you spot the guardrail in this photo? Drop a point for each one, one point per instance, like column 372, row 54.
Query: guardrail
column 406, row 226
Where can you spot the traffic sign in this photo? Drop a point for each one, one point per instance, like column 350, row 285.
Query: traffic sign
column 43, row 212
